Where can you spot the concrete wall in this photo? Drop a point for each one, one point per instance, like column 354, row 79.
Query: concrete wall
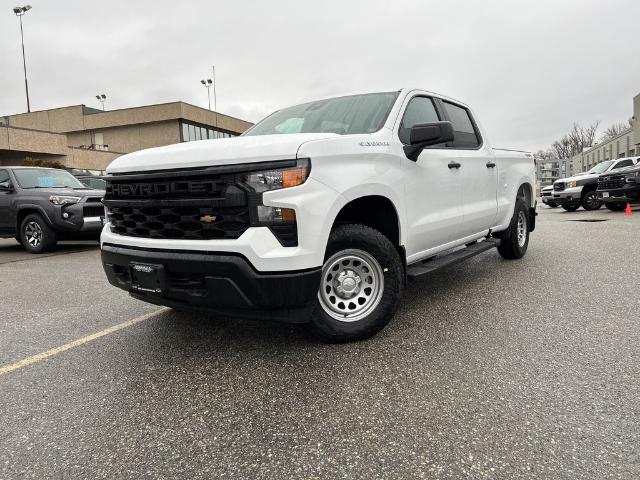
column 32, row 141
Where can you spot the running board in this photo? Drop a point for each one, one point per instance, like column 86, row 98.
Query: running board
column 438, row 262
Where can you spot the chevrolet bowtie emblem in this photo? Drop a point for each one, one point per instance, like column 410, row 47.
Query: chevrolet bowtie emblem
column 208, row 218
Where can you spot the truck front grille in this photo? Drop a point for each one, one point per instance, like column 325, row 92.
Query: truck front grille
column 194, row 205
column 610, row 183
column 558, row 187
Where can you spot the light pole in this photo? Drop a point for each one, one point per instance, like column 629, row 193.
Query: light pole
column 207, row 83
column 102, row 98
column 215, row 100
column 20, row 11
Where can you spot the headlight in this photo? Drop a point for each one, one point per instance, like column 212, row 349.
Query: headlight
column 572, row 184
column 63, row 200
column 276, row 179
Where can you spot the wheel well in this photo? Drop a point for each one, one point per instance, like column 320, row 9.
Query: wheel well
column 23, row 213
column 526, row 193
column 374, row 211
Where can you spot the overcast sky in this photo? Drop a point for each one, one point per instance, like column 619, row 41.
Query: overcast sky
column 528, row 68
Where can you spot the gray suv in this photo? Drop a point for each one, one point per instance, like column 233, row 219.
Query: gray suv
column 39, row 206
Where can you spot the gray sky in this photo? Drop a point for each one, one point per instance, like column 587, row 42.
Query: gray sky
column 528, row 68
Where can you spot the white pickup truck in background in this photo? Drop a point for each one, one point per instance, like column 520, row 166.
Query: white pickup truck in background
column 319, row 213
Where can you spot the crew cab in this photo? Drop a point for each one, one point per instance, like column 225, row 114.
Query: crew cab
column 39, row 206
column 319, row 213
column 620, row 187
column 580, row 190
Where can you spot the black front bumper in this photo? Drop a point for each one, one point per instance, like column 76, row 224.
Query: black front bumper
column 619, row 195
column 217, row 282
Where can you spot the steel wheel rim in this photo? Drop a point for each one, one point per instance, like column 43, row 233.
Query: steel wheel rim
column 522, row 229
column 33, row 234
column 352, row 285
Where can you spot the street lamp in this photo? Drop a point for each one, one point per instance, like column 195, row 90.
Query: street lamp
column 207, row 83
column 101, row 98
column 20, row 11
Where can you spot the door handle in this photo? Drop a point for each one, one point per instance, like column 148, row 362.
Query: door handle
column 454, row 165
column 490, row 164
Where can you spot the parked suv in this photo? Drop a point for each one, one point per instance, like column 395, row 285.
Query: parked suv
column 547, row 196
column 618, row 188
column 580, row 190
column 39, row 206
column 317, row 214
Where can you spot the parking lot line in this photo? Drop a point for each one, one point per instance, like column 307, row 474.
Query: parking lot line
column 76, row 343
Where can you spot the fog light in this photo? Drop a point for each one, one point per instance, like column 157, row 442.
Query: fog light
column 65, row 215
column 276, row 215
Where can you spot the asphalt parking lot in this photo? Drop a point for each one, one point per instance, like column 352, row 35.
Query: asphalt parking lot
column 491, row 369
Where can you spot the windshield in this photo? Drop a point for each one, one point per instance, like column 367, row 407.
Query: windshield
column 601, row 167
column 343, row 115
column 46, row 178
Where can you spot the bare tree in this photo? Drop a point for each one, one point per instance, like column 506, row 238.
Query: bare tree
column 575, row 141
column 544, row 155
column 615, row 130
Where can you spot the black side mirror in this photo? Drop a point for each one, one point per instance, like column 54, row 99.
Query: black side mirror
column 427, row 134
column 6, row 187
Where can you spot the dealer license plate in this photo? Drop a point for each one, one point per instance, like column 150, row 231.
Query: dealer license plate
column 147, row 277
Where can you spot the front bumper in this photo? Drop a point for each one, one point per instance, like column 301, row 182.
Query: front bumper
column 218, row 282
column 567, row 196
column 619, row 195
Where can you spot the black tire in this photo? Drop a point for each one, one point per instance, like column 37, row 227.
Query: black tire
column 616, row 206
column 590, row 200
column 511, row 245
column 36, row 235
column 571, row 207
column 356, row 245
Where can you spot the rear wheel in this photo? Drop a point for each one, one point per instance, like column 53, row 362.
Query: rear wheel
column 36, row 235
column 616, row 206
column 515, row 240
column 361, row 287
column 590, row 200
column 571, row 207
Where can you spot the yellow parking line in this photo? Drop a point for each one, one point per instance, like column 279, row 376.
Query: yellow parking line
column 76, row 343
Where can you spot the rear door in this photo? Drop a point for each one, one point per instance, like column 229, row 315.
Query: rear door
column 6, row 217
column 478, row 169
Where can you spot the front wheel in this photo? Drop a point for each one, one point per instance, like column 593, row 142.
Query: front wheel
column 515, row 240
column 361, row 286
column 590, row 201
column 36, row 235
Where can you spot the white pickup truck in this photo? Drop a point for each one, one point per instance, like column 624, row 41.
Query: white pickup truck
column 318, row 214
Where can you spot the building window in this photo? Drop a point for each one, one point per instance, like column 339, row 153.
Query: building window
column 192, row 132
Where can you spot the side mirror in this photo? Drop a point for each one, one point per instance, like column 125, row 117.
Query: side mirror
column 6, row 187
column 427, row 134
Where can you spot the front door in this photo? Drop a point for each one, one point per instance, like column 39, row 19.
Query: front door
column 433, row 191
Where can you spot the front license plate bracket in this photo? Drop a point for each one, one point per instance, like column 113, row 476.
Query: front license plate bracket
column 149, row 278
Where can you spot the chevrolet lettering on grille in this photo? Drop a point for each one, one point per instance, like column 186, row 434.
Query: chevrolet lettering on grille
column 162, row 188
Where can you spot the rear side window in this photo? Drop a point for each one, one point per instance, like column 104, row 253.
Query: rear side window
column 622, row 164
column 420, row 110
column 465, row 135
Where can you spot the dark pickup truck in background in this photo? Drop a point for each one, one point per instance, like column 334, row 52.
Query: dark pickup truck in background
column 618, row 188
column 39, row 206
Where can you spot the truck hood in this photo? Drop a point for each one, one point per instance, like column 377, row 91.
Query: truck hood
column 223, row 151
column 65, row 191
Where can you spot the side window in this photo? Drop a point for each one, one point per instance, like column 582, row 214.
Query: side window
column 465, row 135
column 622, row 164
column 420, row 110
column 4, row 178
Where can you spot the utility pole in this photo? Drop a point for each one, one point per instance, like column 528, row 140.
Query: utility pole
column 20, row 11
